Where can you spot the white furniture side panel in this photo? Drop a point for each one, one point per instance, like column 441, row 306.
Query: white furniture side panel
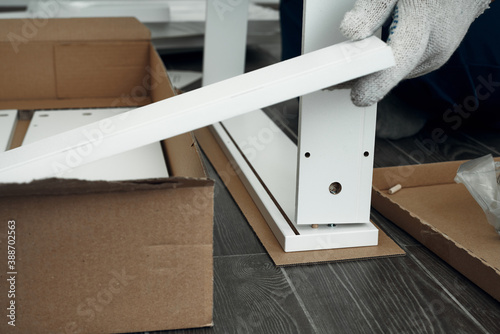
column 8, row 121
column 141, row 163
column 336, row 138
column 225, row 40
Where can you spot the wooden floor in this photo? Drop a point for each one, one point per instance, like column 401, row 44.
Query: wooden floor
column 417, row 293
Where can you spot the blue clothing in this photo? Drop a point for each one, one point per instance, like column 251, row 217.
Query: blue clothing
column 467, row 87
column 291, row 28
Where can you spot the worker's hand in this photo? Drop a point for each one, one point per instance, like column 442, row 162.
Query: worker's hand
column 423, row 36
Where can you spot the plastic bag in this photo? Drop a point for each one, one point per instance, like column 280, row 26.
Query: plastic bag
column 482, row 178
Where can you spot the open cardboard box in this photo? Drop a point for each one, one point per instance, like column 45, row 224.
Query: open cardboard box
column 443, row 216
column 100, row 257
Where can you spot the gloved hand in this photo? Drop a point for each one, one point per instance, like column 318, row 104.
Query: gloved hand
column 423, row 36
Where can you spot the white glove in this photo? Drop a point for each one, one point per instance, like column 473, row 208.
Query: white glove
column 423, row 36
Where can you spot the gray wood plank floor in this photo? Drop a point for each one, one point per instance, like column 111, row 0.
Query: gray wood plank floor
column 418, row 293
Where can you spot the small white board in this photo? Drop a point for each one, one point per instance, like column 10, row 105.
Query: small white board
column 141, row 163
column 8, row 120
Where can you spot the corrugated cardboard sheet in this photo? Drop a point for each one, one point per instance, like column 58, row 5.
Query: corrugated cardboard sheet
column 60, row 63
column 444, row 217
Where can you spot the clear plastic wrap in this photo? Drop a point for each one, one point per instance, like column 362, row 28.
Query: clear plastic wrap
column 482, row 178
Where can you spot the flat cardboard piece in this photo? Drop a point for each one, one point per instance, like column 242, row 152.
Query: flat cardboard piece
column 444, row 217
column 386, row 248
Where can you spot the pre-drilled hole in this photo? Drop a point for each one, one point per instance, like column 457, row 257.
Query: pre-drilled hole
column 366, row 154
column 335, row 188
column 307, row 155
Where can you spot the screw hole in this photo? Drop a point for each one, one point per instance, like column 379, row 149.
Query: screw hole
column 366, row 154
column 335, row 188
column 307, row 155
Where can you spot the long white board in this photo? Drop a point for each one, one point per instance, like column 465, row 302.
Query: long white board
column 141, row 163
column 208, row 105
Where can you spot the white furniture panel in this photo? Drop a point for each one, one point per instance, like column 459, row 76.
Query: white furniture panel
column 140, row 163
column 8, row 120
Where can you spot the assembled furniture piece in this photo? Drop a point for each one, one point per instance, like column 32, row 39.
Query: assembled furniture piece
column 316, row 195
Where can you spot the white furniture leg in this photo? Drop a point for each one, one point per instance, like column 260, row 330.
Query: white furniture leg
column 224, row 49
column 336, row 138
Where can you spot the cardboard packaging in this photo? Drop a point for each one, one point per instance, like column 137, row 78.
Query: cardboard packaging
column 443, row 216
column 100, row 257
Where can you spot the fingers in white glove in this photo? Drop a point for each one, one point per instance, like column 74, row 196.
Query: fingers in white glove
column 423, row 36
column 366, row 18
column 403, row 37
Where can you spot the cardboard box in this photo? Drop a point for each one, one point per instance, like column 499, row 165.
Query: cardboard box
column 100, row 257
column 444, row 217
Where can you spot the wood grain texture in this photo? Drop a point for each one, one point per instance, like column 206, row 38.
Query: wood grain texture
column 232, row 234
column 258, row 298
column 425, row 147
column 387, row 154
column 253, row 297
column 384, row 296
column 478, row 304
column 402, row 238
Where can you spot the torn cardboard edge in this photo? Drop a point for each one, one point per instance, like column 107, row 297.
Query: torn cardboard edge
column 443, row 216
column 64, row 187
column 386, row 248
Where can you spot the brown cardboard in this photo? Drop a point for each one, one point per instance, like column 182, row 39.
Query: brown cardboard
column 386, row 247
column 102, row 257
column 53, row 62
column 444, row 217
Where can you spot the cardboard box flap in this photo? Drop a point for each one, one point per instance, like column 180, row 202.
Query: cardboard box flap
column 72, row 30
column 183, row 153
column 417, row 175
column 50, row 63
column 443, row 216
column 62, row 187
